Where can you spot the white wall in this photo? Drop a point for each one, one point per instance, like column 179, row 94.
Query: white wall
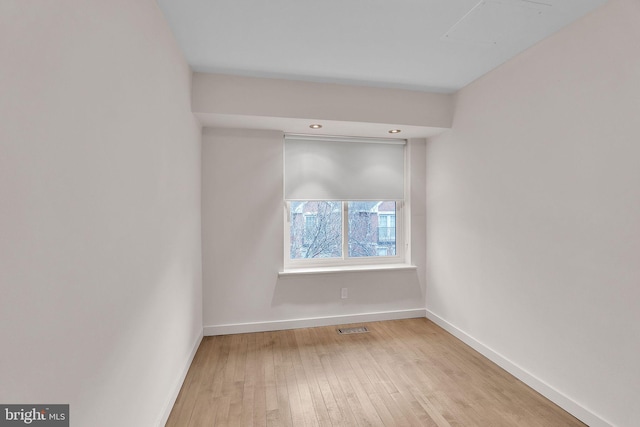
column 534, row 214
column 100, row 268
column 243, row 234
column 215, row 94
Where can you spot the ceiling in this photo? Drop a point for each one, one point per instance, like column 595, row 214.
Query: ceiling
column 427, row 45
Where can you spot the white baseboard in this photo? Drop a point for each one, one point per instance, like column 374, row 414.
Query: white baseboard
column 178, row 385
column 560, row 399
column 278, row 325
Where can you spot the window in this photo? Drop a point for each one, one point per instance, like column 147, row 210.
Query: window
column 364, row 229
column 316, row 229
column 331, row 217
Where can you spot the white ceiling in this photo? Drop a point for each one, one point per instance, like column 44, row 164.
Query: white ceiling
column 429, row 45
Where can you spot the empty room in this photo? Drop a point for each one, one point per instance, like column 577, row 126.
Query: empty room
column 338, row 213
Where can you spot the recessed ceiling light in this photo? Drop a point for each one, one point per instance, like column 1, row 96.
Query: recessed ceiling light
column 315, row 126
column 395, row 131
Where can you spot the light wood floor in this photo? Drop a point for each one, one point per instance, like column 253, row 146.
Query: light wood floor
column 401, row 373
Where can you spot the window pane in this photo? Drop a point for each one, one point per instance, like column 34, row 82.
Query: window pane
column 372, row 228
column 316, row 229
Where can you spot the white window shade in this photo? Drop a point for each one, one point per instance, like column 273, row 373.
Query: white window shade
column 343, row 169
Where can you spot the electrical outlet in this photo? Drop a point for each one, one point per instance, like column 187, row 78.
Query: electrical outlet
column 345, row 293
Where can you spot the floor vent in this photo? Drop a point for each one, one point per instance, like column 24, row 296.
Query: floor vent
column 356, row 330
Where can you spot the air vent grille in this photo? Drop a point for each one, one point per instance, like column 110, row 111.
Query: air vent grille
column 355, row 330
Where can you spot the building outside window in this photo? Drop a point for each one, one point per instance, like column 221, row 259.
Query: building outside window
column 387, row 226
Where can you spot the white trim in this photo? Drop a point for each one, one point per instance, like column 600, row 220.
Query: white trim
column 279, row 325
column 345, row 269
column 557, row 397
column 168, row 406
column 406, row 207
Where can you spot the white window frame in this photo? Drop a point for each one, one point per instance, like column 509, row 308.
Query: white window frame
column 345, row 260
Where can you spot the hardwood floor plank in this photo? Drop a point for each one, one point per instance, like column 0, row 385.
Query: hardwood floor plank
column 259, row 418
column 222, row 404
column 251, row 378
column 271, row 394
column 341, row 413
column 205, row 363
column 307, row 370
column 360, row 406
column 402, row 373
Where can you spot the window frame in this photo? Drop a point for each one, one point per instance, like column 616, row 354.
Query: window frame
column 346, row 260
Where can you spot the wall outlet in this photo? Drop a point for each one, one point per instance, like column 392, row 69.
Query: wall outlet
column 344, row 293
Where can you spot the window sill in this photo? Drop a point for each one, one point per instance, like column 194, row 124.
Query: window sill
column 345, row 269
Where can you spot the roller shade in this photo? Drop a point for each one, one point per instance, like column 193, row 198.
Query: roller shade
column 325, row 168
